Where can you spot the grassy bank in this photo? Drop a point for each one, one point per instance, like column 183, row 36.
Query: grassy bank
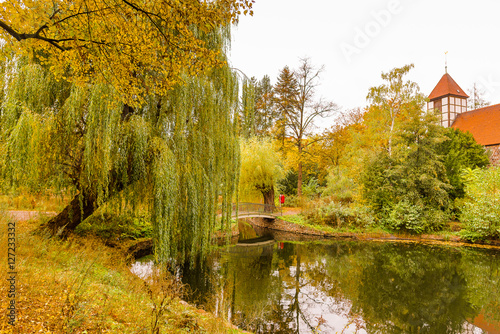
column 300, row 220
column 82, row 286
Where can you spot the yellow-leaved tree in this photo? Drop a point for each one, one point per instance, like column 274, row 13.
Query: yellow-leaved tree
column 140, row 47
column 261, row 169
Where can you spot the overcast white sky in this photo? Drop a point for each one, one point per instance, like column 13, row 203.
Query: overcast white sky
column 357, row 40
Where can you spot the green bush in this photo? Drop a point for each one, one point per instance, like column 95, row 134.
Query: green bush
column 481, row 208
column 405, row 216
column 460, row 150
column 288, row 184
column 339, row 215
column 408, row 217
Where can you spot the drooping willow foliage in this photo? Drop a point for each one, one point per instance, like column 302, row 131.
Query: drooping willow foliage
column 248, row 109
column 178, row 153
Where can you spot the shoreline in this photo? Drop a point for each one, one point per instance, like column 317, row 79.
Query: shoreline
column 284, row 226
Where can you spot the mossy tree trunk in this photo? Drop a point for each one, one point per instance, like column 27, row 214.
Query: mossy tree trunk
column 80, row 208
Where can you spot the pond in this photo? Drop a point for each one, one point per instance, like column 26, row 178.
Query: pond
column 277, row 286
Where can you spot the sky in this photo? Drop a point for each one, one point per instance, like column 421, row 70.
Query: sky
column 357, row 40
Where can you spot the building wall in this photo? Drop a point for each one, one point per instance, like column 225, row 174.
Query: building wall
column 495, row 154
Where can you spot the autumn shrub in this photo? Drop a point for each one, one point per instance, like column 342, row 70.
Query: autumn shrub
column 292, row 201
column 481, row 207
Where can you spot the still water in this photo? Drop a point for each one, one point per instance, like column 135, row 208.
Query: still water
column 349, row 287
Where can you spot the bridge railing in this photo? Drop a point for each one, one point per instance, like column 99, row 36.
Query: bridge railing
column 256, row 208
column 246, row 209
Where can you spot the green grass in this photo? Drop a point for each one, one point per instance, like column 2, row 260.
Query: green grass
column 447, row 234
column 300, row 220
column 115, row 227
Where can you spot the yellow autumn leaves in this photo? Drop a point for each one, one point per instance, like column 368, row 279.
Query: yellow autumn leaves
column 140, row 47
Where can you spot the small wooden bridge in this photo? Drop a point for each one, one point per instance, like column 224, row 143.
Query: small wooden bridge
column 255, row 210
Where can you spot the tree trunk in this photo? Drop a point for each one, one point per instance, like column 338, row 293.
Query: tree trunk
column 299, row 182
column 72, row 215
column 299, row 171
column 269, row 198
column 80, row 209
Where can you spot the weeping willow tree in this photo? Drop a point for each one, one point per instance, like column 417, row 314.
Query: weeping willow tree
column 177, row 152
column 248, row 109
column 261, row 169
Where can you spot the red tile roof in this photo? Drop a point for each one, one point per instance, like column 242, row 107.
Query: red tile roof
column 447, row 86
column 482, row 123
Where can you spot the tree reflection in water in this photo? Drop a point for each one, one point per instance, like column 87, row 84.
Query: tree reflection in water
column 349, row 287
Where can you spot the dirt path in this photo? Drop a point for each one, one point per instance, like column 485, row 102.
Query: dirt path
column 20, row 215
column 291, row 211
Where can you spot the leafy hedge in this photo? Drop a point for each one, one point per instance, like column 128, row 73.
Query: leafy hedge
column 481, row 208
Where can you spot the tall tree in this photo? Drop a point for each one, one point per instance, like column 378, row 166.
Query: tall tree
column 409, row 190
column 406, row 183
column 265, row 110
column 392, row 99
column 300, row 108
column 286, row 94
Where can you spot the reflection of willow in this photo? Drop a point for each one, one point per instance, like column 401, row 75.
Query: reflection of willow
column 236, row 284
column 253, row 290
column 199, row 278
